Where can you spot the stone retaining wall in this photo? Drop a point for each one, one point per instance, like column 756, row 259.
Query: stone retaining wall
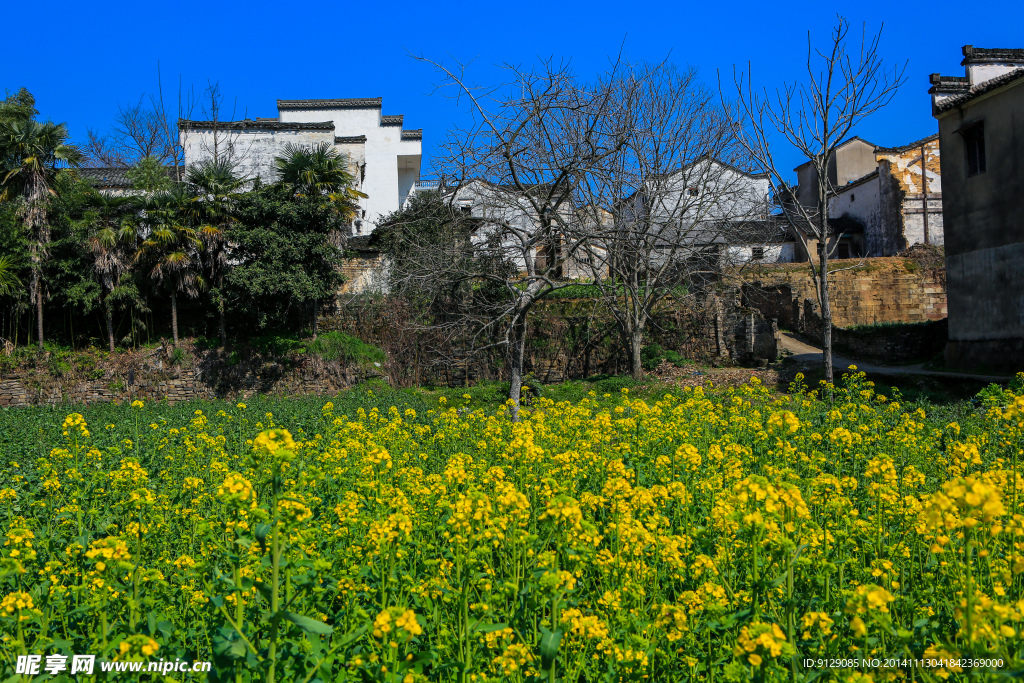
column 208, row 375
column 878, row 290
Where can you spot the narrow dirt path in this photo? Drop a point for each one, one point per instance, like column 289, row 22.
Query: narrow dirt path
column 805, row 353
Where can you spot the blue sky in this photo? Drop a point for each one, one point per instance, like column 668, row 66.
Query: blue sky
column 260, row 51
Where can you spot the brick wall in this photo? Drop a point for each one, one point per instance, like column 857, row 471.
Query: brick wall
column 879, row 290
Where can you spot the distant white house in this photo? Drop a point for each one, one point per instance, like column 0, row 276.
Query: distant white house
column 710, row 207
column 384, row 157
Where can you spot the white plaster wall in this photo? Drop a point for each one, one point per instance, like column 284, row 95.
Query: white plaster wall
column 863, row 202
column 384, row 145
column 723, row 194
column 773, row 253
column 913, row 223
column 251, row 150
column 979, row 73
column 505, row 212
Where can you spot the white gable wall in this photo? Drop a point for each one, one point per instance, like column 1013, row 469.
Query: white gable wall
column 384, row 146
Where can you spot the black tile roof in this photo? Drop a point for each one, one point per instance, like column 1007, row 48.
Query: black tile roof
column 352, row 103
column 412, row 134
column 349, row 139
column 261, row 124
column 947, row 84
column 975, row 55
column 909, row 146
column 391, row 120
column 980, row 89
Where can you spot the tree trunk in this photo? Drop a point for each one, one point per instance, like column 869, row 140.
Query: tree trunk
column 221, row 309
column 636, row 340
column 223, row 326
column 517, row 354
column 174, row 316
column 37, row 276
column 110, row 327
column 315, row 318
column 826, row 313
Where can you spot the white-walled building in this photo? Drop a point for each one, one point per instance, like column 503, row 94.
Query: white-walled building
column 383, row 156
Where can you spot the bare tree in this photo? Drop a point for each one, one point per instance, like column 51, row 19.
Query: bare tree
column 144, row 129
column 138, row 132
column 667, row 206
column 515, row 173
column 216, row 138
column 843, row 86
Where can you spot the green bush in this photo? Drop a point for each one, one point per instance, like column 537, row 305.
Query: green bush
column 339, row 346
column 652, row 355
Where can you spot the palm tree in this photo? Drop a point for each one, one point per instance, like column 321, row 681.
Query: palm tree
column 9, row 280
column 172, row 248
column 319, row 171
column 214, row 186
column 112, row 242
column 34, row 153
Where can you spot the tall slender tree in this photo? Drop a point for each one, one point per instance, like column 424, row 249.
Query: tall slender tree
column 844, row 84
column 112, row 242
column 320, row 171
column 33, row 154
column 214, row 186
column 171, row 248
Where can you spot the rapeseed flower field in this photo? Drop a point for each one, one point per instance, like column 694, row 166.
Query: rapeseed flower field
column 703, row 535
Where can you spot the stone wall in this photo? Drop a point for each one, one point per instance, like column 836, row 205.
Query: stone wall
column 202, row 375
column 895, row 344
column 879, row 290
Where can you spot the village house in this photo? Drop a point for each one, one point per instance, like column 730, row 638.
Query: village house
column 890, row 200
column 712, row 211
column 981, row 133
column 384, row 157
column 506, row 221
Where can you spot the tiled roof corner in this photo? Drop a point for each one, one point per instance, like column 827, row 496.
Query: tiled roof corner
column 980, row 89
column 351, row 103
column 980, row 55
column 391, row 120
column 349, row 139
column 416, row 134
column 948, row 84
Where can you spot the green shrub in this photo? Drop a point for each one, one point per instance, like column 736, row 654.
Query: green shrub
column 339, row 346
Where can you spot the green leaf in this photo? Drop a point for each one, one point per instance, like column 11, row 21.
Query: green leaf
column 490, row 628
column 308, row 625
column 549, row 642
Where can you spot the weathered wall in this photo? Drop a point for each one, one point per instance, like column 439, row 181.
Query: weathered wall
column 894, row 344
column 882, row 290
column 984, row 233
column 366, row 272
column 909, row 172
column 206, row 375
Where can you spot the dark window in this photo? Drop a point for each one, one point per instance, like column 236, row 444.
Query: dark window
column 693, row 191
column 844, row 251
column 757, row 253
column 853, row 197
column 974, row 143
